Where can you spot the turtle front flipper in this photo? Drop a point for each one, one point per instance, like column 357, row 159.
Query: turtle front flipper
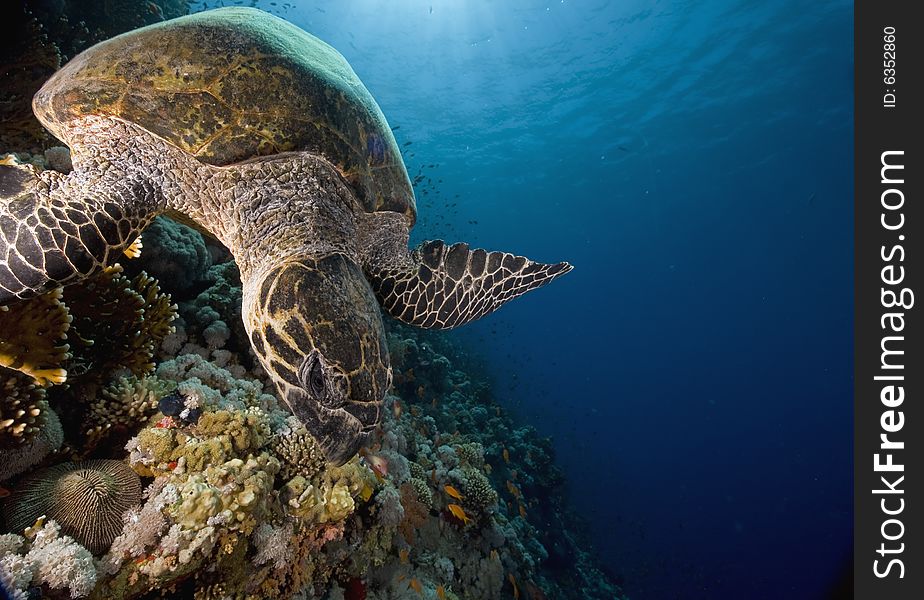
column 54, row 230
column 438, row 286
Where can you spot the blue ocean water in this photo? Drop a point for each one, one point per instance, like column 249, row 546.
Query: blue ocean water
column 693, row 160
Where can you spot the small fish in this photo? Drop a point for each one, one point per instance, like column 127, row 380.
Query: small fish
column 513, row 489
column 403, row 554
column 407, row 143
column 522, row 511
column 366, row 493
column 378, row 464
column 155, row 10
column 495, row 555
column 452, row 492
column 506, row 456
column 513, row 475
column 459, row 513
column 488, row 468
column 396, row 408
column 433, row 475
column 441, row 592
column 513, row 582
column 4, row 492
column 396, row 128
column 420, row 392
column 415, row 585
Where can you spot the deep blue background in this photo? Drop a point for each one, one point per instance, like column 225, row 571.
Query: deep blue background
column 693, row 159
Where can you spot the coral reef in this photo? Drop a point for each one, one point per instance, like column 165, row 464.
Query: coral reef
column 200, row 484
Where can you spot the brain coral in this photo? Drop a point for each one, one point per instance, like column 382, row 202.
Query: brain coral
column 87, row 499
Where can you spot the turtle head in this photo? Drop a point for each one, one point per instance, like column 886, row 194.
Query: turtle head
column 316, row 326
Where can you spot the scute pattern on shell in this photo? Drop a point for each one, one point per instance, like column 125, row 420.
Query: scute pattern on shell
column 233, row 84
column 86, row 499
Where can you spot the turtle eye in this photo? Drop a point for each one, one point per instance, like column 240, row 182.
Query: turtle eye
column 311, row 376
column 316, row 379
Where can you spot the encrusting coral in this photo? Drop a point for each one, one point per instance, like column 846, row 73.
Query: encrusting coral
column 86, row 499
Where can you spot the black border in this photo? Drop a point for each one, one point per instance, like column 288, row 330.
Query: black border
column 880, row 128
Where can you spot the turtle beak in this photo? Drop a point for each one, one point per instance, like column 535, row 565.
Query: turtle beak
column 340, row 432
column 367, row 413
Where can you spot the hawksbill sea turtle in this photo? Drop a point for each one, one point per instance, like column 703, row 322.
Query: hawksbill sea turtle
column 259, row 134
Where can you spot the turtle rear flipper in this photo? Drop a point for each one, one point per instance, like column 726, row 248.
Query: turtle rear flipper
column 53, row 232
column 438, row 286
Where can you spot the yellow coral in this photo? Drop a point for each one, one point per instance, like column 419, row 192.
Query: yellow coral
column 243, row 431
column 32, row 339
column 198, row 502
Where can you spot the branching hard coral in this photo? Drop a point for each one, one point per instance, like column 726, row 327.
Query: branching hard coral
column 22, row 457
column 477, row 490
column 297, row 451
column 424, row 494
column 471, row 453
column 86, row 499
column 126, row 403
column 33, row 337
column 158, row 315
